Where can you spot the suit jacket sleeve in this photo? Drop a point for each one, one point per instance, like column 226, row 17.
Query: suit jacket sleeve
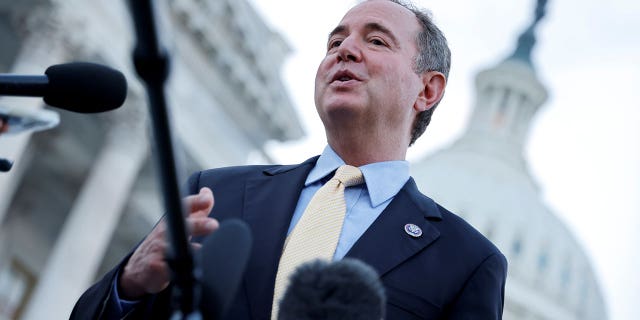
column 482, row 297
column 97, row 302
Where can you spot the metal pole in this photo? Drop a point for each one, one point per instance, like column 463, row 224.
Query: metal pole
column 151, row 61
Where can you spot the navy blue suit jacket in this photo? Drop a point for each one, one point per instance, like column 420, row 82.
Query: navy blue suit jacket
column 450, row 272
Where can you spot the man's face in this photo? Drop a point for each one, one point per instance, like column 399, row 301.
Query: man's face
column 366, row 78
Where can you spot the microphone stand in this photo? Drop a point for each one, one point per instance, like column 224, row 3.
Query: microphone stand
column 151, row 62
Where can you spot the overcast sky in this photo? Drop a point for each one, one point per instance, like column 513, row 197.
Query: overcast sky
column 584, row 147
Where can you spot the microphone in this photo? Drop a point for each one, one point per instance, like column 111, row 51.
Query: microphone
column 224, row 256
column 345, row 289
column 79, row 87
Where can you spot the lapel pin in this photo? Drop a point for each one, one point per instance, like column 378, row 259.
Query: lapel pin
column 413, row 230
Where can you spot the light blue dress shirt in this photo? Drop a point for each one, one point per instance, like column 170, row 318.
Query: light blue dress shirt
column 365, row 202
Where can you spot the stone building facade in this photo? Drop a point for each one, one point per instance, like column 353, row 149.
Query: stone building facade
column 82, row 194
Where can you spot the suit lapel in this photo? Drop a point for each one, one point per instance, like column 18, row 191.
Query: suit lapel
column 268, row 207
column 386, row 244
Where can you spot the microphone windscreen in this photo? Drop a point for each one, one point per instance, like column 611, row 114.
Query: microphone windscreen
column 223, row 258
column 85, row 87
column 346, row 289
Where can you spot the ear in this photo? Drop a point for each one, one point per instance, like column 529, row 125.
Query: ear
column 433, row 83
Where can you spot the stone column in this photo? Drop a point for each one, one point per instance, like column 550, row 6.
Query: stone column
column 88, row 230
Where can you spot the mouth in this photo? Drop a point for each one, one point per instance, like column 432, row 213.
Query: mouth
column 344, row 76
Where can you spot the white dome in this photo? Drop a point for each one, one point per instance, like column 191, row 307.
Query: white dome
column 484, row 178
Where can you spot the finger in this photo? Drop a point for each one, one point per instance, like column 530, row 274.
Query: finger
column 154, row 250
column 201, row 203
column 201, row 226
column 196, row 246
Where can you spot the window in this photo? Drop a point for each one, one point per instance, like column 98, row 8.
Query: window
column 565, row 275
column 516, row 248
column 543, row 261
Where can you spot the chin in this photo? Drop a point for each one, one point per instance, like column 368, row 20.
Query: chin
column 341, row 108
column 344, row 102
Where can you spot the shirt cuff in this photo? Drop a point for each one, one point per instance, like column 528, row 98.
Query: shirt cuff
column 125, row 306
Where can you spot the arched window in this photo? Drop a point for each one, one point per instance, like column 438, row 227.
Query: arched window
column 565, row 275
column 543, row 261
column 516, row 248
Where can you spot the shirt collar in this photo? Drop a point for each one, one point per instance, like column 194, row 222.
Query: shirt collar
column 383, row 179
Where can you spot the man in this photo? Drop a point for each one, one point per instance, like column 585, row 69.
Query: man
column 383, row 74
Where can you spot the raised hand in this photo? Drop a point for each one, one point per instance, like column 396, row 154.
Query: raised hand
column 147, row 271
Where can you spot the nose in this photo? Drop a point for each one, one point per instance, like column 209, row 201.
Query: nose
column 348, row 50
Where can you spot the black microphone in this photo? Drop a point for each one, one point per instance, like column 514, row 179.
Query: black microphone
column 223, row 259
column 79, row 87
column 345, row 289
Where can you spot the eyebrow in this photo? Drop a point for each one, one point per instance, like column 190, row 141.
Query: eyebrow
column 371, row 26
column 336, row 30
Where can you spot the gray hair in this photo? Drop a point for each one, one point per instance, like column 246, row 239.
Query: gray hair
column 433, row 55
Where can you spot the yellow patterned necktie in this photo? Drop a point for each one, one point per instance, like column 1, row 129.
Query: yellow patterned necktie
column 316, row 235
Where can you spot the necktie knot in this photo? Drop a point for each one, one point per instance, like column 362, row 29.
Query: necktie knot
column 349, row 175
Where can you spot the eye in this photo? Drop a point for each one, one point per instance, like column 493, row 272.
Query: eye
column 377, row 42
column 334, row 43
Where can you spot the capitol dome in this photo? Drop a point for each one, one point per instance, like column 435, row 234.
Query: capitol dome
column 484, row 178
